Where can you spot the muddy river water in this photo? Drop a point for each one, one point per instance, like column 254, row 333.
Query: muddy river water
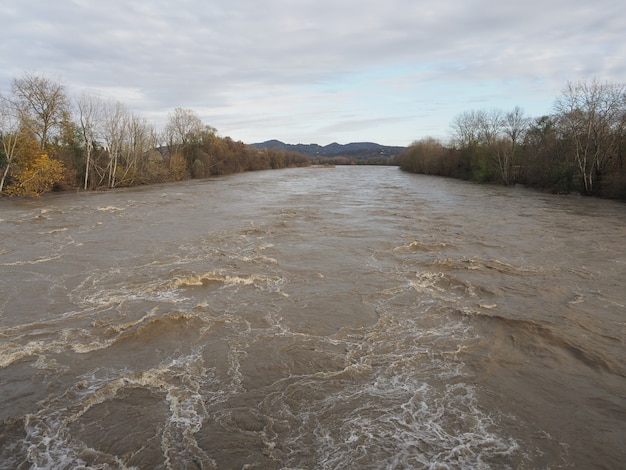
column 315, row 318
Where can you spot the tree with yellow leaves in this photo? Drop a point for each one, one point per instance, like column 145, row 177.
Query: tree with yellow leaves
column 35, row 172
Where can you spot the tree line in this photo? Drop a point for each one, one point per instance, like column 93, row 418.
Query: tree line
column 580, row 147
column 49, row 141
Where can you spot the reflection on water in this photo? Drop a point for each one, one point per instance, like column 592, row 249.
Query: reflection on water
column 354, row 317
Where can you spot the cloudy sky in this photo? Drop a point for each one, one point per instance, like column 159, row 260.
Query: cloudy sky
column 303, row 71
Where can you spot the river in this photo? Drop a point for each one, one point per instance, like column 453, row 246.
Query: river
column 313, row 318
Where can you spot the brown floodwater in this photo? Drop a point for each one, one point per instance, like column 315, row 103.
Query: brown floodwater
column 328, row 318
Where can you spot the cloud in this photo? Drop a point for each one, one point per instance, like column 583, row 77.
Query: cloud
column 284, row 69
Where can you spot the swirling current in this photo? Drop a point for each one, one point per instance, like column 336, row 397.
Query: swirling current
column 314, row 318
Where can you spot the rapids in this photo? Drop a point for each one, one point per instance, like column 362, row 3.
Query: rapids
column 332, row 318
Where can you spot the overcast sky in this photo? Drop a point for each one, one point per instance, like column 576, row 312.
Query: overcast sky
column 304, row 71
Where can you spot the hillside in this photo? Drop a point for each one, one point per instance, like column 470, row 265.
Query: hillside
column 356, row 150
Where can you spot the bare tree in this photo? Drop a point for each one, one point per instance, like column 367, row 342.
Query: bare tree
column 477, row 127
column 139, row 139
column 514, row 126
column 89, row 114
column 591, row 116
column 466, row 128
column 9, row 136
column 499, row 132
column 494, row 135
column 113, row 129
column 128, row 140
column 43, row 104
column 183, row 127
column 490, row 123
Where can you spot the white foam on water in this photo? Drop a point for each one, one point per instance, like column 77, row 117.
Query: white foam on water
column 183, row 384
column 258, row 259
column 403, row 400
column 13, row 352
column 394, row 421
column 488, row 306
column 112, row 331
column 427, row 428
column 50, row 232
column 419, row 246
column 259, row 281
column 43, row 259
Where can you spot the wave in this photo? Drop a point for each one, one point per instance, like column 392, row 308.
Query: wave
column 147, row 328
column 62, row 433
column 257, row 259
column 451, row 289
column 537, row 339
column 110, row 209
column 51, row 231
column 216, row 277
column 32, row 261
column 52, row 211
column 384, row 419
column 475, row 263
column 115, row 287
column 13, row 352
column 417, row 246
column 437, row 281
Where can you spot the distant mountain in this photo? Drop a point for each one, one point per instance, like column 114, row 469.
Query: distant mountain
column 357, row 150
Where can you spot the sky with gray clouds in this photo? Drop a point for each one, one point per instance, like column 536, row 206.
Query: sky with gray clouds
column 320, row 71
